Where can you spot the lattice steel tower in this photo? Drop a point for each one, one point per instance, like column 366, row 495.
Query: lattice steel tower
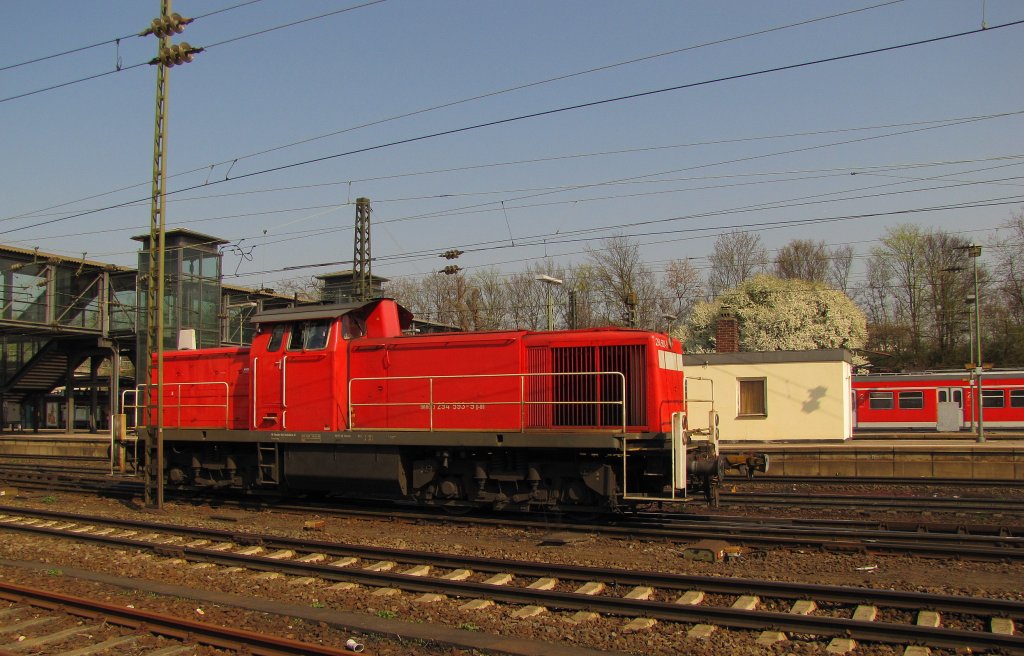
column 362, row 276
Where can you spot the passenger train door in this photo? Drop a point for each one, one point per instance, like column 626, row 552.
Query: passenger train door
column 268, row 411
column 952, row 398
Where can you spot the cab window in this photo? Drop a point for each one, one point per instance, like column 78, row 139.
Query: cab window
column 310, row 335
column 352, row 327
column 276, row 338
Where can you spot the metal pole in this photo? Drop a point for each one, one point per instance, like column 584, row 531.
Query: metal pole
column 970, row 338
column 549, row 281
column 975, row 253
column 551, row 314
column 154, row 490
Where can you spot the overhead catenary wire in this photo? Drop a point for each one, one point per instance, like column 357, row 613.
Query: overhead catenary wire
column 863, row 169
column 533, row 240
column 761, row 178
column 550, row 112
column 765, row 225
column 113, row 41
column 235, row 159
column 557, row 78
column 121, row 69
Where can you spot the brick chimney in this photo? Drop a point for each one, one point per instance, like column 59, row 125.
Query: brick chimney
column 727, row 332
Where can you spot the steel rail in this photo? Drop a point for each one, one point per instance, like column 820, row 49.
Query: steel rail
column 998, row 548
column 622, row 606
column 874, row 480
column 889, row 525
column 258, row 644
column 613, row 576
column 959, row 504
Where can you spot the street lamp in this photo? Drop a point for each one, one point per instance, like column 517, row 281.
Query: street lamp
column 549, row 282
column 242, row 316
column 670, row 320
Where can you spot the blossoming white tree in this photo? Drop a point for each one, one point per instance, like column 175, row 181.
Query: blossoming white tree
column 780, row 315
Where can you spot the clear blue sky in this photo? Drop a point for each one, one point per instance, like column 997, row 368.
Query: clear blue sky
column 66, row 146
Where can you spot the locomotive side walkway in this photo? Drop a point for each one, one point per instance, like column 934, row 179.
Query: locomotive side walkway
column 895, row 455
column 872, row 455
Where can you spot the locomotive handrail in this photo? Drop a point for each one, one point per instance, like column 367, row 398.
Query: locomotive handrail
column 139, row 392
column 522, row 402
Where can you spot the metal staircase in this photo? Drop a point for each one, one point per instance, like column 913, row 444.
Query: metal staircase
column 44, row 371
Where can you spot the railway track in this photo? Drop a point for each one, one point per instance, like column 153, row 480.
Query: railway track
column 769, row 479
column 637, row 596
column 42, row 621
column 976, row 505
column 96, row 479
column 959, row 540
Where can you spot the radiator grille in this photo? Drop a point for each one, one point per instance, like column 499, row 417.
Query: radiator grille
column 587, row 401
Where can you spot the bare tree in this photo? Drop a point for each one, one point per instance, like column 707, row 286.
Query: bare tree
column 803, row 259
column 526, row 302
column 1004, row 309
column 1010, row 263
column 624, row 284
column 736, row 256
column 407, row 292
column 582, row 302
column 947, row 282
column 901, row 256
column 307, row 288
column 839, row 266
column 438, row 298
column 488, row 300
column 685, row 287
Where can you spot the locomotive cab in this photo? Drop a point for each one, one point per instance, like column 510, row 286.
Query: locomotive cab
column 300, row 361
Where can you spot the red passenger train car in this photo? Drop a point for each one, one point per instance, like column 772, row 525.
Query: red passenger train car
column 338, row 399
column 915, row 400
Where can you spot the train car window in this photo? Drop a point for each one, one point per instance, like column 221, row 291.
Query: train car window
column 1017, row 398
column 276, row 337
column 309, row 335
column 911, row 400
column 752, row 400
column 880, row 400
column 993, row 398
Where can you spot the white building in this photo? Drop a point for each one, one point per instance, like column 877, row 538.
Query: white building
column 773, row 395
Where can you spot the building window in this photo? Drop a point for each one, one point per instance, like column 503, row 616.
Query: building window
column 880, row 400
column 993, row 398
column 752, row 398
column 911, row 400
column 1017, row 398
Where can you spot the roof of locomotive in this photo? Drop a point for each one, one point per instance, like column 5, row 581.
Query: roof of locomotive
column 314, row 311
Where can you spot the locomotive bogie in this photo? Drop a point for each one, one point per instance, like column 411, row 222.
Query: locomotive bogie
column 560, row 479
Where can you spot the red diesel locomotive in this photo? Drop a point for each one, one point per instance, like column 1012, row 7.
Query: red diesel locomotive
column 337, row 399
column 913, row 400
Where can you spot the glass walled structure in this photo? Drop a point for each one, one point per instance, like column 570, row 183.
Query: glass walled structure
column 192, row 288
